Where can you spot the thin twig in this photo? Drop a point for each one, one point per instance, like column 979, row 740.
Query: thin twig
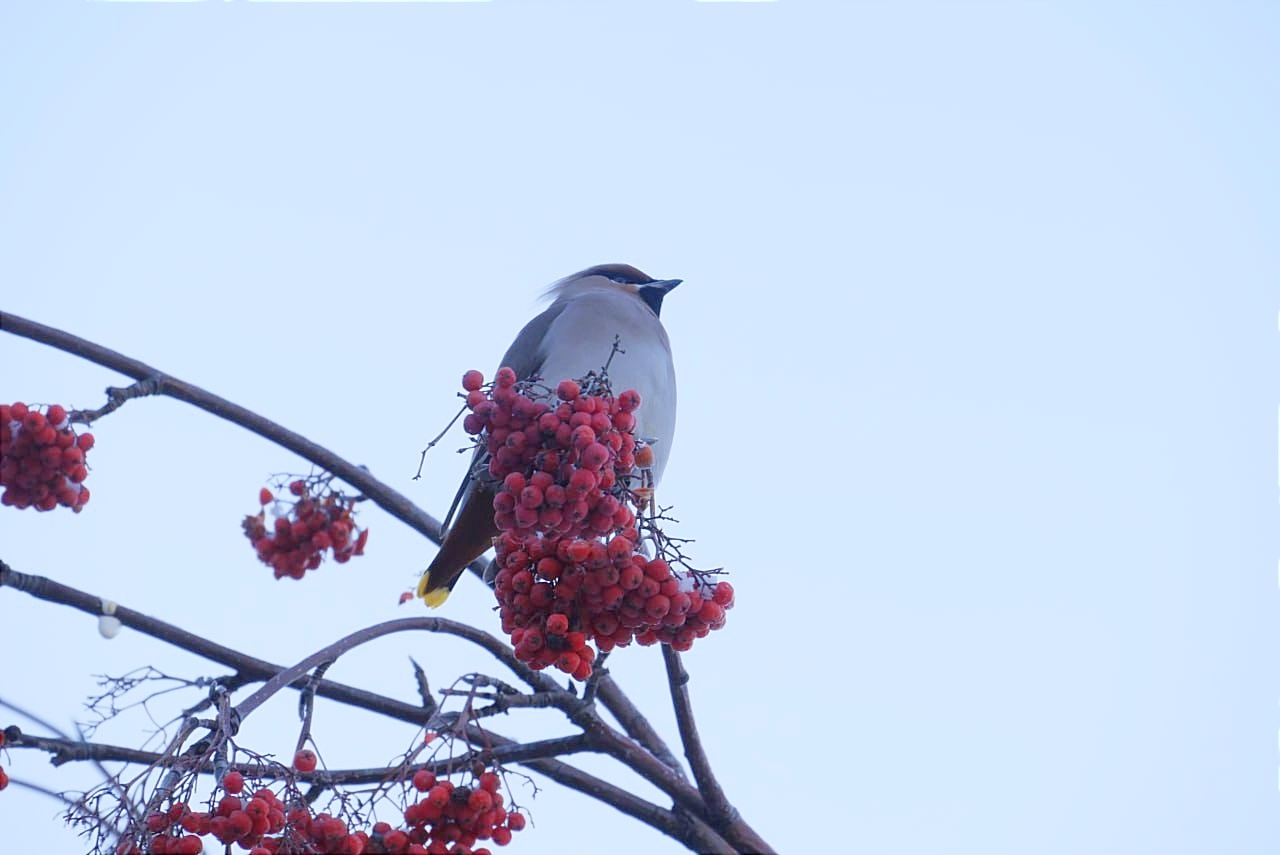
column 432, row 444
column 429, row 704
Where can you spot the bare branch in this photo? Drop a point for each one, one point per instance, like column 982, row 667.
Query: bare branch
column 726, row 819
column 157, row 382
column 600, row 736
column 63, row 751
column 678, row 680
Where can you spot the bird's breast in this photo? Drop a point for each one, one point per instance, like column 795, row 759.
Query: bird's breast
column 582, row 339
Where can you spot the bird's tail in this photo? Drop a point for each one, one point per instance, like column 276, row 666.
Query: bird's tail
column 471, row 534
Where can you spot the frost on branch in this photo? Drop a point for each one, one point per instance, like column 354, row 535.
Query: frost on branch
column 573, row 504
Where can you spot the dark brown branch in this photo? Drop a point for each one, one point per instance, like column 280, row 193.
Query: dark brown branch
column 623, row 749
column 696, row 836
column 634, row 723
column 678, row 681
column 297, row 673
column 63, row 751
column 640, row 761
column 601, row 735
column 154, row 381
column 257, row 669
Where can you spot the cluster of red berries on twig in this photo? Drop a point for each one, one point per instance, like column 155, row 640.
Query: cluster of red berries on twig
column 451, row 819
column 246, row 821
column 446, row 820
column 304, row 529
column 42, row 460
column 569, row 476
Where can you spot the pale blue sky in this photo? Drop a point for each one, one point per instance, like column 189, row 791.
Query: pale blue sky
column 976, row 345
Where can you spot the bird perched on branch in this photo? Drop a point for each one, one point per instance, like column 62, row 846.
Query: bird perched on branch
column 591, row 311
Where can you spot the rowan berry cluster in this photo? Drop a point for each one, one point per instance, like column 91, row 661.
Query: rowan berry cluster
column 318, row 520
column 451, row 819
column 571, row 572
column 42, row 460
column 248, row 822
column 446, row 820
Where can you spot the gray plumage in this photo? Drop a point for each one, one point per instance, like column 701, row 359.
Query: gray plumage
column 573, row 336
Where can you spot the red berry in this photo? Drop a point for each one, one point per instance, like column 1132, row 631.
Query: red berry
column 305, row 760
column 424, row 779
column 567, row 390
column 240, row 823
column 233, row 782
column 472, row 380
column 187, row 845
column 644, row 456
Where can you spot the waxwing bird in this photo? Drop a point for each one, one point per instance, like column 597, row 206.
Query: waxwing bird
column 591, row 310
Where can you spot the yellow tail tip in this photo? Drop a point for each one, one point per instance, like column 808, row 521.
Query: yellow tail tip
column 436, row 598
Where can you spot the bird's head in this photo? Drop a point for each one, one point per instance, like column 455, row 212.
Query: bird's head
column 623, row 277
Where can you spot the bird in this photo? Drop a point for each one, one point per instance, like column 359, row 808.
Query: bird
column 590, row 311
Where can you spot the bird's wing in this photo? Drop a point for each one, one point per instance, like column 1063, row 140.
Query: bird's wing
column 525, row 356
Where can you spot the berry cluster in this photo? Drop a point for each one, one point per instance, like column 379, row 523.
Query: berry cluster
column 450, row 819
column 42, row 460
column 447, row 820
column 566, row 500
column 320, row 519
column 236, row 819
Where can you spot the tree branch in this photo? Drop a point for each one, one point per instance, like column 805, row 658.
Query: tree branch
column 157, row 382
column 678, row 680
column 601, row 736
column 63, row 751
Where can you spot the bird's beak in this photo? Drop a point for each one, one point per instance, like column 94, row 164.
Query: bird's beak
column 653, row 292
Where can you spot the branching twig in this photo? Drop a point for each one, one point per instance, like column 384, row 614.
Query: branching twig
column 433, row 443
column 599, row 736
